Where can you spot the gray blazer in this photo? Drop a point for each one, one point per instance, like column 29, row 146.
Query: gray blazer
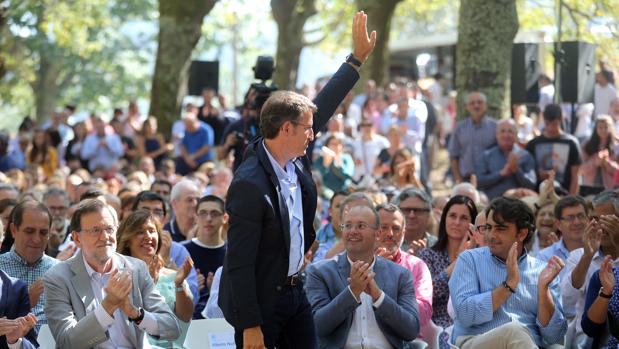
column 333, row 305
column 70, row 305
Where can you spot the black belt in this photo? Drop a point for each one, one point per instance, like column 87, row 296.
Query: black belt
column 292, row 280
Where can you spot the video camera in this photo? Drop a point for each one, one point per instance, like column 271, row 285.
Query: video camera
column 263, row 70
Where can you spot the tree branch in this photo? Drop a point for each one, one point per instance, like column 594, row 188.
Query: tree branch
column 314, row 42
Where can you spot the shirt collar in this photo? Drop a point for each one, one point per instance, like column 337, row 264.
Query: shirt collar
column 91, row 271
column 371, row 265
column 20, row 260
column 286, row 173
column 524, row 255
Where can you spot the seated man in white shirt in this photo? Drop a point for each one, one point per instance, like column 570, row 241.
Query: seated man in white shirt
column 101, row 299
column 359, row 299
column 583, row 262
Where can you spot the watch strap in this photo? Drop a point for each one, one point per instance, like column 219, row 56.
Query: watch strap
column 353, row 60
column 506, row 285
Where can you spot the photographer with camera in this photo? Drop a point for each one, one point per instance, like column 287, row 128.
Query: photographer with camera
column 238, row 134
column 271, row 203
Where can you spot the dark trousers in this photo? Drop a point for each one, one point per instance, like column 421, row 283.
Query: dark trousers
column 290, row 325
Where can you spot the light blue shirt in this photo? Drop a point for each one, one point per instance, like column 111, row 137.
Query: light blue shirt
column 291, row 190
column 477, row 274
column 558, row 249
column 98, row 155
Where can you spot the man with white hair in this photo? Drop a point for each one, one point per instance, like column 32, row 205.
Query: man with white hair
column 471, row 137
column 466, row 189
column 506, row 165
column 183, row 198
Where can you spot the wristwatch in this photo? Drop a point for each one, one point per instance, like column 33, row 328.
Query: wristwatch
column 353, row 60
column 140, row 317
column 508, row 287
column 604, row 295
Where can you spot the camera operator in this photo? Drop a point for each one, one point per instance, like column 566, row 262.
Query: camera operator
column 238, row 134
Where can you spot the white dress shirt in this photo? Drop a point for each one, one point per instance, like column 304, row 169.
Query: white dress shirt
column 118, row 327
column 364, row 331
column 291, row 190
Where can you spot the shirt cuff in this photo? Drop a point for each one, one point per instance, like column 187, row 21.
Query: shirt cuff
column 149, row 324
column 105, row 320
column 380, row 300
column 353, row 295
column 16, row 345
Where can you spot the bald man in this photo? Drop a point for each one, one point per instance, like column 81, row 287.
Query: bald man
column 506, row 165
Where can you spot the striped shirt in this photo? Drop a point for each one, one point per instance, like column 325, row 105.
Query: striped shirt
column 477, row 274
column 468, row 142
column 15, row 266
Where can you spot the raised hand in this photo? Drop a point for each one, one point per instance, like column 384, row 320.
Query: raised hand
column 67, row 252
column 362, row 44
column 513, row 273
column 416, row 245
column 550, row 272
column 118, row 288
column 7, row 326
column 154, row 267
column 383, row 252
column 359, row 277
column 607, row 276
column 592, row 238
column 35, row 291
column 610, row 225
column 166, row 242
column 201, row 280
column 467, row 243
column 23, row 325
column 183, row 271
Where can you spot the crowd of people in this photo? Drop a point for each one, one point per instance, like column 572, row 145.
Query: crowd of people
column 313, row 223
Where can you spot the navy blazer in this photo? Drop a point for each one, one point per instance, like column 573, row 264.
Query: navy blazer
column 256, row 261
column 15, row 303
column 333, row 305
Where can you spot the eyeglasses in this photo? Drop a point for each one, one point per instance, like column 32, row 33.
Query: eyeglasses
column 306, row 127
column 482, row 228
column 573, row 217
column 357, row 226
column 156, row 212
column 390, row 227
column 415, row 210
column 213, row 214
column 97, row 231
column 58, row 208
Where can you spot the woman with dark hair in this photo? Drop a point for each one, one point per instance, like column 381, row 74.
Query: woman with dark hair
column 139, row 236
column 599, row 166
column 73, row 152
column 454, row 236
column 42, row 153
column 336, row 166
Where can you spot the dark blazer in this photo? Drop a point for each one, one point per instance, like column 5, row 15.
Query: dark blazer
column 333, row 305
column 15, row 303
column 256, row 262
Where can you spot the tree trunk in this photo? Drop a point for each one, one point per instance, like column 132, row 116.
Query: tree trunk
column 290, row 16
column 486, row 31
column 46, row 87
column 380, row 13
column 180, row 24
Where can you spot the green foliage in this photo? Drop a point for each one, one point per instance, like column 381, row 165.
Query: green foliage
column 77, row 51
column 595, row 21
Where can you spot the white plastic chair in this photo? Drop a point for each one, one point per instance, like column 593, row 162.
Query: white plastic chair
column 199, row 331
column 45, row 338
column 431, row 333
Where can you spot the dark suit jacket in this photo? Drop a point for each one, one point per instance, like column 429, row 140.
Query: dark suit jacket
column 15, row 303
column 256, row 261
column 333, row 305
